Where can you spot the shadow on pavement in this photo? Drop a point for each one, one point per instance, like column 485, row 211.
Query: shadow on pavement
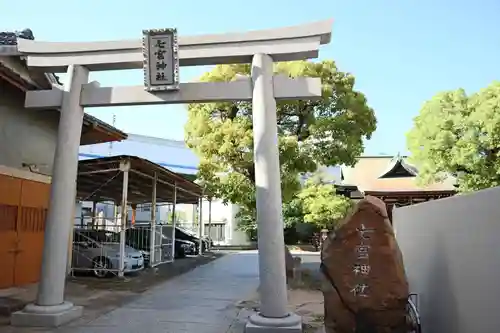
column 99, row 296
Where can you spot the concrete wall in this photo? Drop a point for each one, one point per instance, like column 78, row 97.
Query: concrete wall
column 452, row 258
column 27, row 136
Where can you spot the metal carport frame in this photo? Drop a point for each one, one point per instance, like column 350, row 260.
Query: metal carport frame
column 130, row 181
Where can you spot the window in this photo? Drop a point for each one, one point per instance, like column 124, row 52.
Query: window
column 217, row 232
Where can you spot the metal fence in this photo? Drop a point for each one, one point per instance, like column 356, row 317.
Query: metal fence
column 101, row 246
column 162, row 247
column 97, row 249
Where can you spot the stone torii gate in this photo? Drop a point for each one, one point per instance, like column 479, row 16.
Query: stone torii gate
column 260, row 48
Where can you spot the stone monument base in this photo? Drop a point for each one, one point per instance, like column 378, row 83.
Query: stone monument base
column 259, row 324
column 46, row 316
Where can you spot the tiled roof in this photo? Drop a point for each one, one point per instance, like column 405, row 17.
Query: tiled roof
column 10, row 38
column 366, row 175
column 396, row 163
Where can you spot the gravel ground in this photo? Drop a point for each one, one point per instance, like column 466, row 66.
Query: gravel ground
column 304, row 296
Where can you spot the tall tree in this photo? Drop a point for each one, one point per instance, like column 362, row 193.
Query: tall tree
column 326, row 132
column 322, row 206
column 458, row 134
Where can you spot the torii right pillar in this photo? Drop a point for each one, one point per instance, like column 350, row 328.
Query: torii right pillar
column 273, row 315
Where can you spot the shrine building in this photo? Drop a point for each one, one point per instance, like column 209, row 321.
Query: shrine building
column 392, row 179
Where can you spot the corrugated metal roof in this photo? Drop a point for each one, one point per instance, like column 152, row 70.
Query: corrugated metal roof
column 100, row 180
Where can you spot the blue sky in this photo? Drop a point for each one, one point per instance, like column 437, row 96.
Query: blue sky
column 401, row 52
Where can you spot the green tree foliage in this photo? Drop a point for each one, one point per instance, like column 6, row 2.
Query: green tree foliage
column 326, row 132
column 293, row 213
column 322, row 206
column 459, row 135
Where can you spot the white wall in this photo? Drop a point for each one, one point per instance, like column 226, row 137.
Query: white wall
column 226, row 214
column 221, row 213
column 237, row 237
column 452, row 258
column 28, row 136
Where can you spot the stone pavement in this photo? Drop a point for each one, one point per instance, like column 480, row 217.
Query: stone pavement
column 202, row 300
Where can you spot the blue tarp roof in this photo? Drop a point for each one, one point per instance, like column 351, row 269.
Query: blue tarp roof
column 173, row 155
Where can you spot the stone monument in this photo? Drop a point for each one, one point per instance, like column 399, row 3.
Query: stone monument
column 365, row 287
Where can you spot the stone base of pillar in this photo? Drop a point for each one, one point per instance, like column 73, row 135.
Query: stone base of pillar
column 260, row 324
column 46, row 316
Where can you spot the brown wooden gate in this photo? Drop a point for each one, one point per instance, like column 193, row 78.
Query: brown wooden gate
column 23, row 210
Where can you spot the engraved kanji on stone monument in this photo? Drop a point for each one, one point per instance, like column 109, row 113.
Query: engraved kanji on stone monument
column 362, row 252
column 360, row 290
column 364, row 232
column 361, row 269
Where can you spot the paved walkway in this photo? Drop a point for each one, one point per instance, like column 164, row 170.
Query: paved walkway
column 202, row 300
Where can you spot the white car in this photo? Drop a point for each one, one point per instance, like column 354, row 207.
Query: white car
column 99, row 251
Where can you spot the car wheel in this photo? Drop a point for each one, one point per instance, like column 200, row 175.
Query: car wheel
column 101, row 267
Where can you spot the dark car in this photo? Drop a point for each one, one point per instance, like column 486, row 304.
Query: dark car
column 187, row 236
column 139, row 237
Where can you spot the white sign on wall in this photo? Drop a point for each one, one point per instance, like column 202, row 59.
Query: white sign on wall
column 161, row 59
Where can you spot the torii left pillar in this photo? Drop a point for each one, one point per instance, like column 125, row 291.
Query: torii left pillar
column 50, row 309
